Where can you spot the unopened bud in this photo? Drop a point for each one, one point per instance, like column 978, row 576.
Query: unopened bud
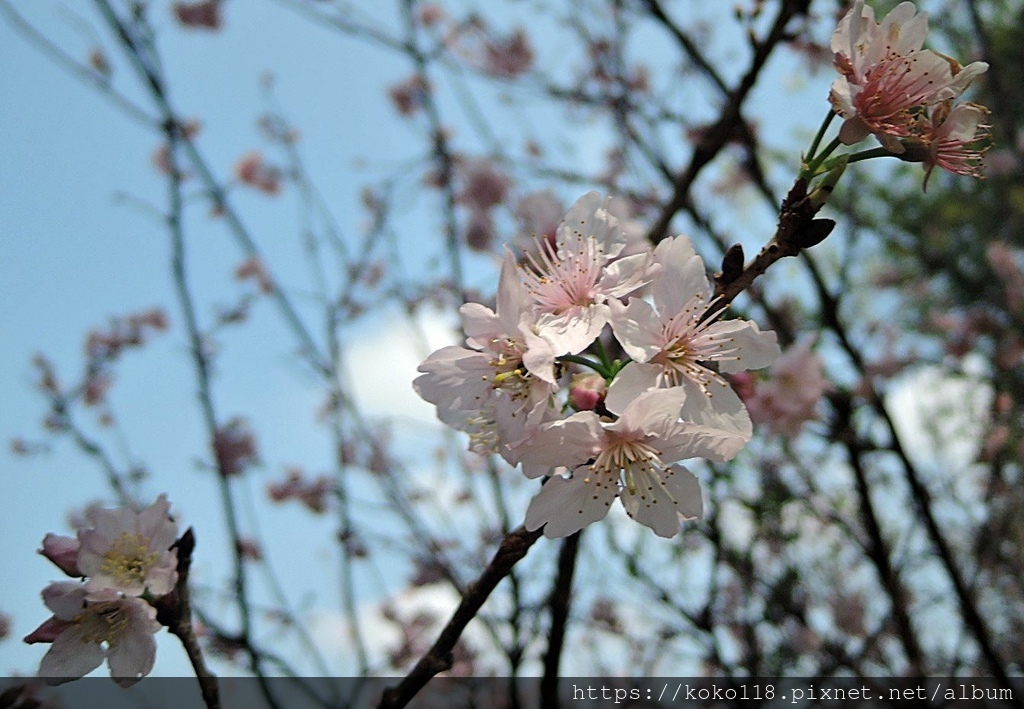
column 62, row 551
column 586, row 391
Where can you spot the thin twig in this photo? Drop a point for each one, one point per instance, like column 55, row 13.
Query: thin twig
column 439, row 658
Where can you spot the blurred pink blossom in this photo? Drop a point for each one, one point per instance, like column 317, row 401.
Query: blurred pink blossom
column 204, row 14
column 790, row 396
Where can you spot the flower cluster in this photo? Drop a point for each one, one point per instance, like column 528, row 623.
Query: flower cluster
column 617, row 427
column 904, row 95
column 123, row 562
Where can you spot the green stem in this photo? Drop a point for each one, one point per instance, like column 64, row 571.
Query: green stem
column 602, row 354
column 812, row 167
column 598, row 367
column 873, row 153
column 821, row 134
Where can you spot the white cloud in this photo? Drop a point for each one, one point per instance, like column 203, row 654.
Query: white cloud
column 382, row 363
column 941, row 417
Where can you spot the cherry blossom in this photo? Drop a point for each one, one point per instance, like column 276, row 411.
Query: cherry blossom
column 571, row 282
column 129, row 552
column 499, row 385
column 88, row 627
column 675, row 341
column 254, row 171
column 629, row 458
column 884, row 73
column 204, row 14
column 954, row 139
column 790, row 397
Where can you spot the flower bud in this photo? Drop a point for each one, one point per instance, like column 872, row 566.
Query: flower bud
column 587, row 391
column 62, row 551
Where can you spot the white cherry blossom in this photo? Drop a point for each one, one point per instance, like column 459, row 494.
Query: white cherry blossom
column 87, row 628
column 629, row 458
column 676, row 341
column 128, row 551
column 497, row 388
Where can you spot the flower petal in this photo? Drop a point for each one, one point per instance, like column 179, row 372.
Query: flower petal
column 70, row 656
column 569, row 442
column 564, row 506
column 632, row 380
column 682, row 276
column 757, row 349
column 637, row 328
column 660, row 501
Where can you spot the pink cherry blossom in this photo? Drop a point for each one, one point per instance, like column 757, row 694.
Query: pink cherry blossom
column 482, row 185
column 129, row 552
column 508, row 57
column 790, row 397
column 629, row 458
column 571, row 282
column 675, row 341
column 254, row 171
column 87, row 628
column 954, row 139
column 884, row 73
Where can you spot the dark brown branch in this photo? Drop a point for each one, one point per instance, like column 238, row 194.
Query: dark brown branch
column 796, row 231
column 558, row 603
column 175, row 611
column 724, row 129
column 439, row 657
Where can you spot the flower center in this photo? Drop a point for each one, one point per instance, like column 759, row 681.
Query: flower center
column 631, row 456
column 483, row 434
column 509, row 375
column 102, row 622
column 564, row 276
column 690, row 344
column 129, row 558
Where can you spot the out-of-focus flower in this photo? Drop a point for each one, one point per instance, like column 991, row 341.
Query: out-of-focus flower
column 235, row 446
column 314, row 494
column 1006, row 264
column 482, row 185
column 249, row 549
column 629, row 458
column 5, row 625
column 253, row 268
column 480, row 231
column 161, row 157
column 790, row 396
column 129, row 552
column 99, row 62
column 87, row 628
column 62, row 551
column 409, row 95
column 204, row 14
column 252, row 170
column 538, row 214
column 509, row 57
column 430, row 14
